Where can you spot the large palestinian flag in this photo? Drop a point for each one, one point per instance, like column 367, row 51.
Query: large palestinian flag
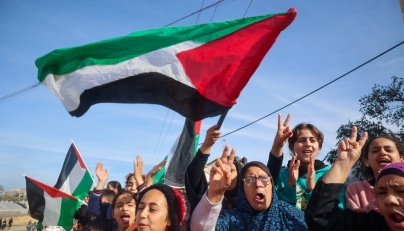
column 197, row 71
column 180, row 155
column 74, row 179
column 49, row 205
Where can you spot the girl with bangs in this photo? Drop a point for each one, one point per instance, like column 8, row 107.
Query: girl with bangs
column 124, row 210
column 295, row 183
column 377, row 153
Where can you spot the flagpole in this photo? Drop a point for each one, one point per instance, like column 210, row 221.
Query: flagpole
column 83, row 162
column 221, row 119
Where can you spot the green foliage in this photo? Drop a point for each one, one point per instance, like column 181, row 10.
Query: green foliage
column 384, row 104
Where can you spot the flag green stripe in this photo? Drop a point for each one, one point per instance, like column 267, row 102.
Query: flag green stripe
column 159, row 176
column 196, row 143
column 116, row 50
column 84, row 186
column 67, row 210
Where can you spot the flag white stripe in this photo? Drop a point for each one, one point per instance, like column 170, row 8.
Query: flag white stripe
column 74, row 179
column 51, row 213
column 69, row 87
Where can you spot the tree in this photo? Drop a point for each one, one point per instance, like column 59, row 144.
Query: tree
column 384, row 104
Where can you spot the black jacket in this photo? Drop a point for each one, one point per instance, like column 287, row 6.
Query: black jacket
column 323, row 213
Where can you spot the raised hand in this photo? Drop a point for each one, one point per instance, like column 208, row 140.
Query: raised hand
column 102, row 175
column 220, row 175
column 311, row 175
column 150, row 175
column 293, row 171
column 138, row 170
column 349, row 150
column 212, row 135
column 282, row 135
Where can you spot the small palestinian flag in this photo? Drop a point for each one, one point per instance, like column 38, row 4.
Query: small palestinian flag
column 181, row 154
column 50, row 206
column 74, row 179
column 198, row 71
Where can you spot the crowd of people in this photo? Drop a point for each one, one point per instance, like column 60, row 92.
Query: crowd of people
column 305, row 195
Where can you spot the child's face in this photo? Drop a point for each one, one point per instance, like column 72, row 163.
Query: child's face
column 131, row 186
column 110, row 187
column 152, row 214
column 382, row 152
column 124, row 211
column 390, row 200
column 305, row 146
column 105, row 200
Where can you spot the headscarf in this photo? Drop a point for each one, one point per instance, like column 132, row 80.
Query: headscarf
column 279, row 216
column 394, row 168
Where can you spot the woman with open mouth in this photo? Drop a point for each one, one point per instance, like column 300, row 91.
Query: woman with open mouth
column 322, row 212
column 160, row 208
column 124, row 210
column 257, row 206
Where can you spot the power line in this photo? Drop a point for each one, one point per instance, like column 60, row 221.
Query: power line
column 248, row 8
column 194, row 13
column 363, row 64
column 172, row 118
column 18, row 93
column 203, row 2
column 214, row 12
column 154, row 153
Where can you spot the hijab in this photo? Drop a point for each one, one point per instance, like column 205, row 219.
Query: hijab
column 394, row 169
column 279, row 216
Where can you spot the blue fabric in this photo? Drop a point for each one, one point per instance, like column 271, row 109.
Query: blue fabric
column 98, row 209
column 279, row 216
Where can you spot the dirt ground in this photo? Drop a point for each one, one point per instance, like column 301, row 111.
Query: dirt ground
column 20, row 221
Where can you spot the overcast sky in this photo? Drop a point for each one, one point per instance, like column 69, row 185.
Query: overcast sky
column 327, row 39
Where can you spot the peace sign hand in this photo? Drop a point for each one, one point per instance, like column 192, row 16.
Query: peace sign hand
column 349, row 150
column 282, row 135
column 220, row 175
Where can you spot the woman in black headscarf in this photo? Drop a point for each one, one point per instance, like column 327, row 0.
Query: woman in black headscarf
column 258, row 207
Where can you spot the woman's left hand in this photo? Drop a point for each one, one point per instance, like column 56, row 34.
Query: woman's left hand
column 138, row 170
column 150, row 175
column 311, row 175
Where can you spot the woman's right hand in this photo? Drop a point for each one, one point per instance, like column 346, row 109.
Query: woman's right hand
column 212, row 135
column 220, row 175
column 349, row 150
column 282, row 135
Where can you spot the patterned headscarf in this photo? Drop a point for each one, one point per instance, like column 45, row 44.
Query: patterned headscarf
column 279, row 216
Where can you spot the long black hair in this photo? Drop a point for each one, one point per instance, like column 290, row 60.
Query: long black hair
column 115, row 184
